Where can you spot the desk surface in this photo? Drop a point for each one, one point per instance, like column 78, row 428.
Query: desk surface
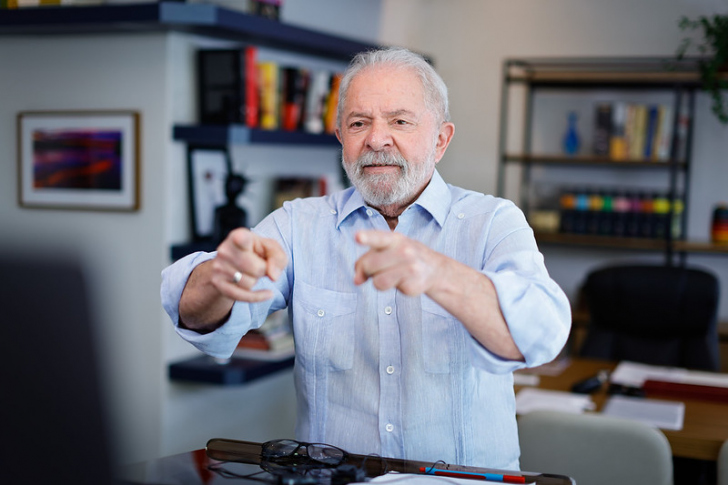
column 244, row 457
column 705, row 425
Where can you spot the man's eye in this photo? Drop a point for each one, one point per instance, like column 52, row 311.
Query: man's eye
column 401, row 122
column 356, row 124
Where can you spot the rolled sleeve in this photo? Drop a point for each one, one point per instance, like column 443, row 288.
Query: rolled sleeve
column 220, row 343
column 535, row 308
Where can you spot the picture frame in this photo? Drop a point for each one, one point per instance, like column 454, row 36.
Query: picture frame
column 84, row 160
column 208, row 169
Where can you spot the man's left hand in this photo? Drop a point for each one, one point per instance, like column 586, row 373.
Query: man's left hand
column 396, row 261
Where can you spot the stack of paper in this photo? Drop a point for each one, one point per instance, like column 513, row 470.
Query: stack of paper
column 531, row 399
column 661, row 414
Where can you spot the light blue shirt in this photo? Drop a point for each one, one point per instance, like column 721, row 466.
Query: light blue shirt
column 381, row 372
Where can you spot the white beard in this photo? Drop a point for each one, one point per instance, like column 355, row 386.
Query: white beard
column 381, row 190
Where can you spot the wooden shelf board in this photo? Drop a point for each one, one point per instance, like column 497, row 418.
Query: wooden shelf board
column 197, row 18
column 589, row 160
column 205, row 369
column 601, row 241
column 239, row 134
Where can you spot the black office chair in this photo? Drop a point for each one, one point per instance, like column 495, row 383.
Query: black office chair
column 658, row 315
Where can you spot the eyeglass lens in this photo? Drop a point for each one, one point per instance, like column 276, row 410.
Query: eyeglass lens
column 329, row 455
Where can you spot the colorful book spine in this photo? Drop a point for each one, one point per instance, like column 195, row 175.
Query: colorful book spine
column 252, row 93
column 332, row 103
column 618, row 139
column 664, row 134
column 269, row 94
column 651, row 129
column 318, row 89
column 602, row 129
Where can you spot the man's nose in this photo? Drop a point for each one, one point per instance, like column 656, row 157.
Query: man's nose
column 379, row 136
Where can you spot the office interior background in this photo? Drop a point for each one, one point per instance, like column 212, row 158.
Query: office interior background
column 153, row 73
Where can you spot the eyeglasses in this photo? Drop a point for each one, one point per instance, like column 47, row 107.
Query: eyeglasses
column 297, row 453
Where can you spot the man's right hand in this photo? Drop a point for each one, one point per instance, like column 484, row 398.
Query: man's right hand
column 212, row 288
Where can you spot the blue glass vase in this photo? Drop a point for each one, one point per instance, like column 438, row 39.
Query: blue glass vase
column 571, row 141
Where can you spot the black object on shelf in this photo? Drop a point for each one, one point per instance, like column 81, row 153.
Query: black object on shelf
column 205, row 369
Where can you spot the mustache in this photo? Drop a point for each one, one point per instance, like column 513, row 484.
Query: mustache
column 382, row 159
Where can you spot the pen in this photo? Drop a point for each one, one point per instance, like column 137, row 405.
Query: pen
column 491, row 477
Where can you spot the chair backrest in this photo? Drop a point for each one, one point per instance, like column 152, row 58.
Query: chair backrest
column 659, row 315
column 55, row 426
column 723, row 464
column 594, row 449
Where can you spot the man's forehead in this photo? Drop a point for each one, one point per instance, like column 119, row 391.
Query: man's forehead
column 386, row 91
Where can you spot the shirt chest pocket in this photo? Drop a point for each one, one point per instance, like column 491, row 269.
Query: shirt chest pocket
column 441, row 333
column 324, row 326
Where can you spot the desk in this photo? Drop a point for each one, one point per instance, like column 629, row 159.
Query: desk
column 243, row 458
column 705, row 426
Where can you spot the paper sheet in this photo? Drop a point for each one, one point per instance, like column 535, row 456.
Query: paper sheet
column 531, row 399
column 658, row 413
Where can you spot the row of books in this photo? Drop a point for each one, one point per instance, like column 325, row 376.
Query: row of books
column 236, row 87
column 272, row 341
column 621, row 213
column 634, row 131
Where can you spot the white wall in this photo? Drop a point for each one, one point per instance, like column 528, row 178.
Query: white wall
column 469, row 39
column 122, row 251
column 125, row 252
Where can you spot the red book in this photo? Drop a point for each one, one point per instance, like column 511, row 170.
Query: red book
column 252, row 102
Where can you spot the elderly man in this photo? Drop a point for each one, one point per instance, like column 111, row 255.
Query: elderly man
column 412, row 300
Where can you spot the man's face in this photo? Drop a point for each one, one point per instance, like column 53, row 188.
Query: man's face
column 391, row 141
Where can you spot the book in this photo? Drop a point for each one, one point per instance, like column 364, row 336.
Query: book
column 636, row 134
column 268, row 77
column 293, row 82
column 332, row 103
column 602, row 129
column 318, row 90
column 651, row 130
column 252, row 94
column 618, row 140
column 290, row 188
column 663, row 141
column 222, row 77
column 273, row 340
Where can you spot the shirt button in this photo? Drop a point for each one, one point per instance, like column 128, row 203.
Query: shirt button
column 333, row 211
column 389, row 427
column 461, row 215
column 388, row 310
column 369, row 212
column 321, row 313
column 390, row 369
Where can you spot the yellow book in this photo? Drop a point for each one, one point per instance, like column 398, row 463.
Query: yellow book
column 269, row 95
column 637, row 135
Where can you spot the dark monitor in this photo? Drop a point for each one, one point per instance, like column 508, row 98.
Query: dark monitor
column 53, row 427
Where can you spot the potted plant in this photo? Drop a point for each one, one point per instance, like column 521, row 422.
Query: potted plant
column 713, row 49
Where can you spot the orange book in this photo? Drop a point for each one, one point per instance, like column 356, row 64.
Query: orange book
column 332, row 103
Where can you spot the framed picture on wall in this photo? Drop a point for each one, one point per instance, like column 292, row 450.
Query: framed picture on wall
column 86, row 160
column 208, row 171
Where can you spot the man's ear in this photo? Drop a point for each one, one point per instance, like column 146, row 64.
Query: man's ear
column 444, row 137
column 338, row 135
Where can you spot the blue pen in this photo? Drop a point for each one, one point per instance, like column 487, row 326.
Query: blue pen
column 491, row 477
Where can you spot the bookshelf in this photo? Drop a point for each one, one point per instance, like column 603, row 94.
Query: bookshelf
column 526, row 79
column 207, row 21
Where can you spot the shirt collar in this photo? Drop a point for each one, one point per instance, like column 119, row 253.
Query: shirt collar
column 435, row 199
